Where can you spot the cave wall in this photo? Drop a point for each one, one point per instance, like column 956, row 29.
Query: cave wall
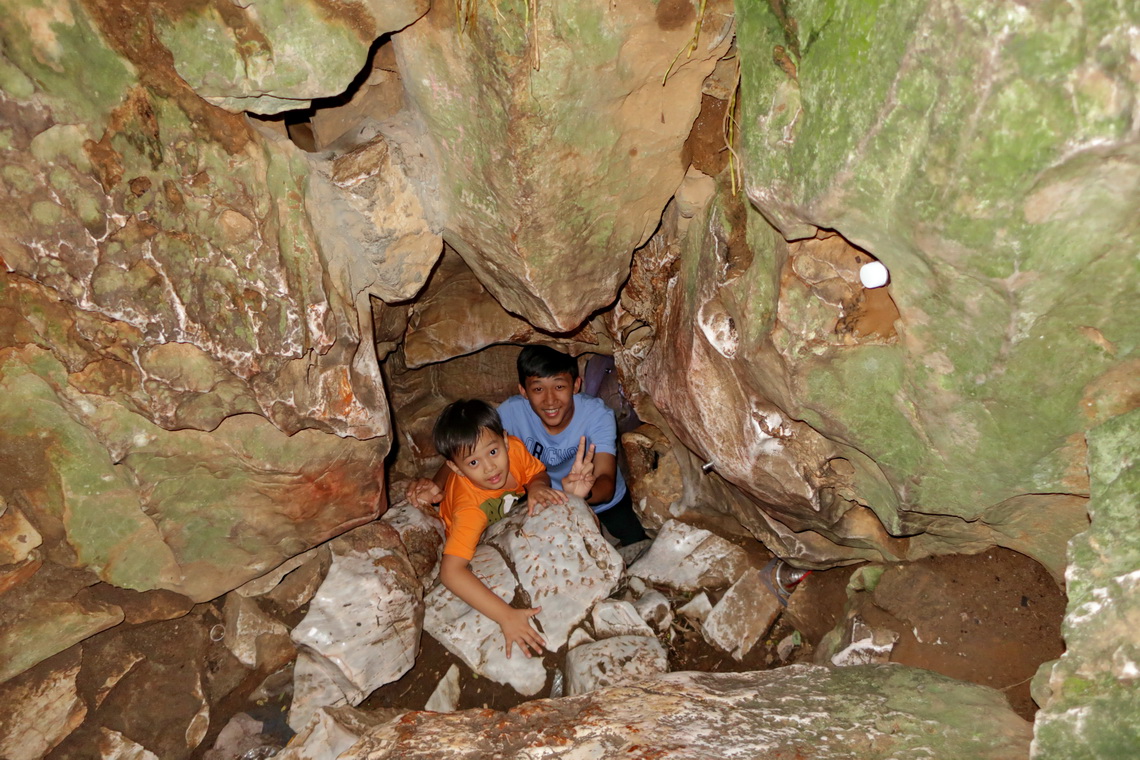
column 192, row 393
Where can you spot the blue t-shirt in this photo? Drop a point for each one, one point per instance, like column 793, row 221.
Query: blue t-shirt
column 592, row 418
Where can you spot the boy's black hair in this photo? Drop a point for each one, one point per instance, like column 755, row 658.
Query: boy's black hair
column 461, row 424
column 544, row 361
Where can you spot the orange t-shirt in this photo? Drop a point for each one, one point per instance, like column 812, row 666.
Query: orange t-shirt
column 467, row 510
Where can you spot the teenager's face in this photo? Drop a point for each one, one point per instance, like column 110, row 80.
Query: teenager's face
column 487, row 465
column 552, row 399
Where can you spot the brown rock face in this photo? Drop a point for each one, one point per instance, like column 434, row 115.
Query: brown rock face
column 455, row 315
column 559, row 137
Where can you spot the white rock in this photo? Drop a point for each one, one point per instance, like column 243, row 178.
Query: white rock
column 240, row 737
column 578, row 637
column 689, row 559
column 654, row 608
column 445, row 698
column 476, row 639
column 697, row 608
column 742, row 616
column 874, row 275
column 864, row 645
column 562, row 562
column 613, row 618
column 787, row 645
column 198, row 726
column 618, row 661
column 115, row 746
column 422, row 535
column 331, row 731
column 249, row 631
column 317, row 683
column 637, row 586
column 365, row 622
column 40, row 713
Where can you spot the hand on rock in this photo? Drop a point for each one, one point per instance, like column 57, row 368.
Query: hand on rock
column 518, row 630
column 423, row 492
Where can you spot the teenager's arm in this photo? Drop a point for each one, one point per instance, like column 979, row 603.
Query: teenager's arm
column 602, row 433
column 456, row 575
column 605, row 479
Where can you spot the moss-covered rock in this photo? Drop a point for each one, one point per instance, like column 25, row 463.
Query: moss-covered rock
column 981, row 152
column 1090, row 706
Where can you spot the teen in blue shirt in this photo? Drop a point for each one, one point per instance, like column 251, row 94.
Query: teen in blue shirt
column 551, row 417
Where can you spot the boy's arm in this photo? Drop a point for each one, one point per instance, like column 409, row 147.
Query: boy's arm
column 540, row 494
column 456, row 575
column 605, row 481
column 423, row 492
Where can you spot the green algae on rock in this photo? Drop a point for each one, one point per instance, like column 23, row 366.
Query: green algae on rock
column 1090, row 706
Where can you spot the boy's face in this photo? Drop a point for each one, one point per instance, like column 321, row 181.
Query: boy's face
column 552, row 399
column 487, row 465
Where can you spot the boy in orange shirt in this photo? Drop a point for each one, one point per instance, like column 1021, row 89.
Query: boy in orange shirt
column 489, row 472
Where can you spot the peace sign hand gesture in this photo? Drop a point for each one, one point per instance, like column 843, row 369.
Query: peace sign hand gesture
column 581, row 478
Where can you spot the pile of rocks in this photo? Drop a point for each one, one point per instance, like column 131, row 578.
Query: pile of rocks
column 605, row 625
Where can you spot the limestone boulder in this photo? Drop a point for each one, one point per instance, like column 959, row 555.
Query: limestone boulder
column 421, row 532
column 292, row 583
column 476, row 639
column 743, row 615
column 688, row 558
column 655, row 609
column 332, row 731
column 861, row 644
column 580, row 108
column 445, row 696
column 169, row 323
column 654, row 481
column 377, row 232
column 867, row 712
column 256, row 639
column 153, row 483
column 555, row 559
column 622, row 660
column 362, row 629
column 562, row 562
column 612, row 617
column 115, row 746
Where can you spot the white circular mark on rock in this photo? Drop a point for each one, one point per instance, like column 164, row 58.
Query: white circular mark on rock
column 874, row 275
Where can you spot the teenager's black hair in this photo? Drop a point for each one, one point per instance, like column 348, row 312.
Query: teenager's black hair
column 543, row 361
column 460, row 426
